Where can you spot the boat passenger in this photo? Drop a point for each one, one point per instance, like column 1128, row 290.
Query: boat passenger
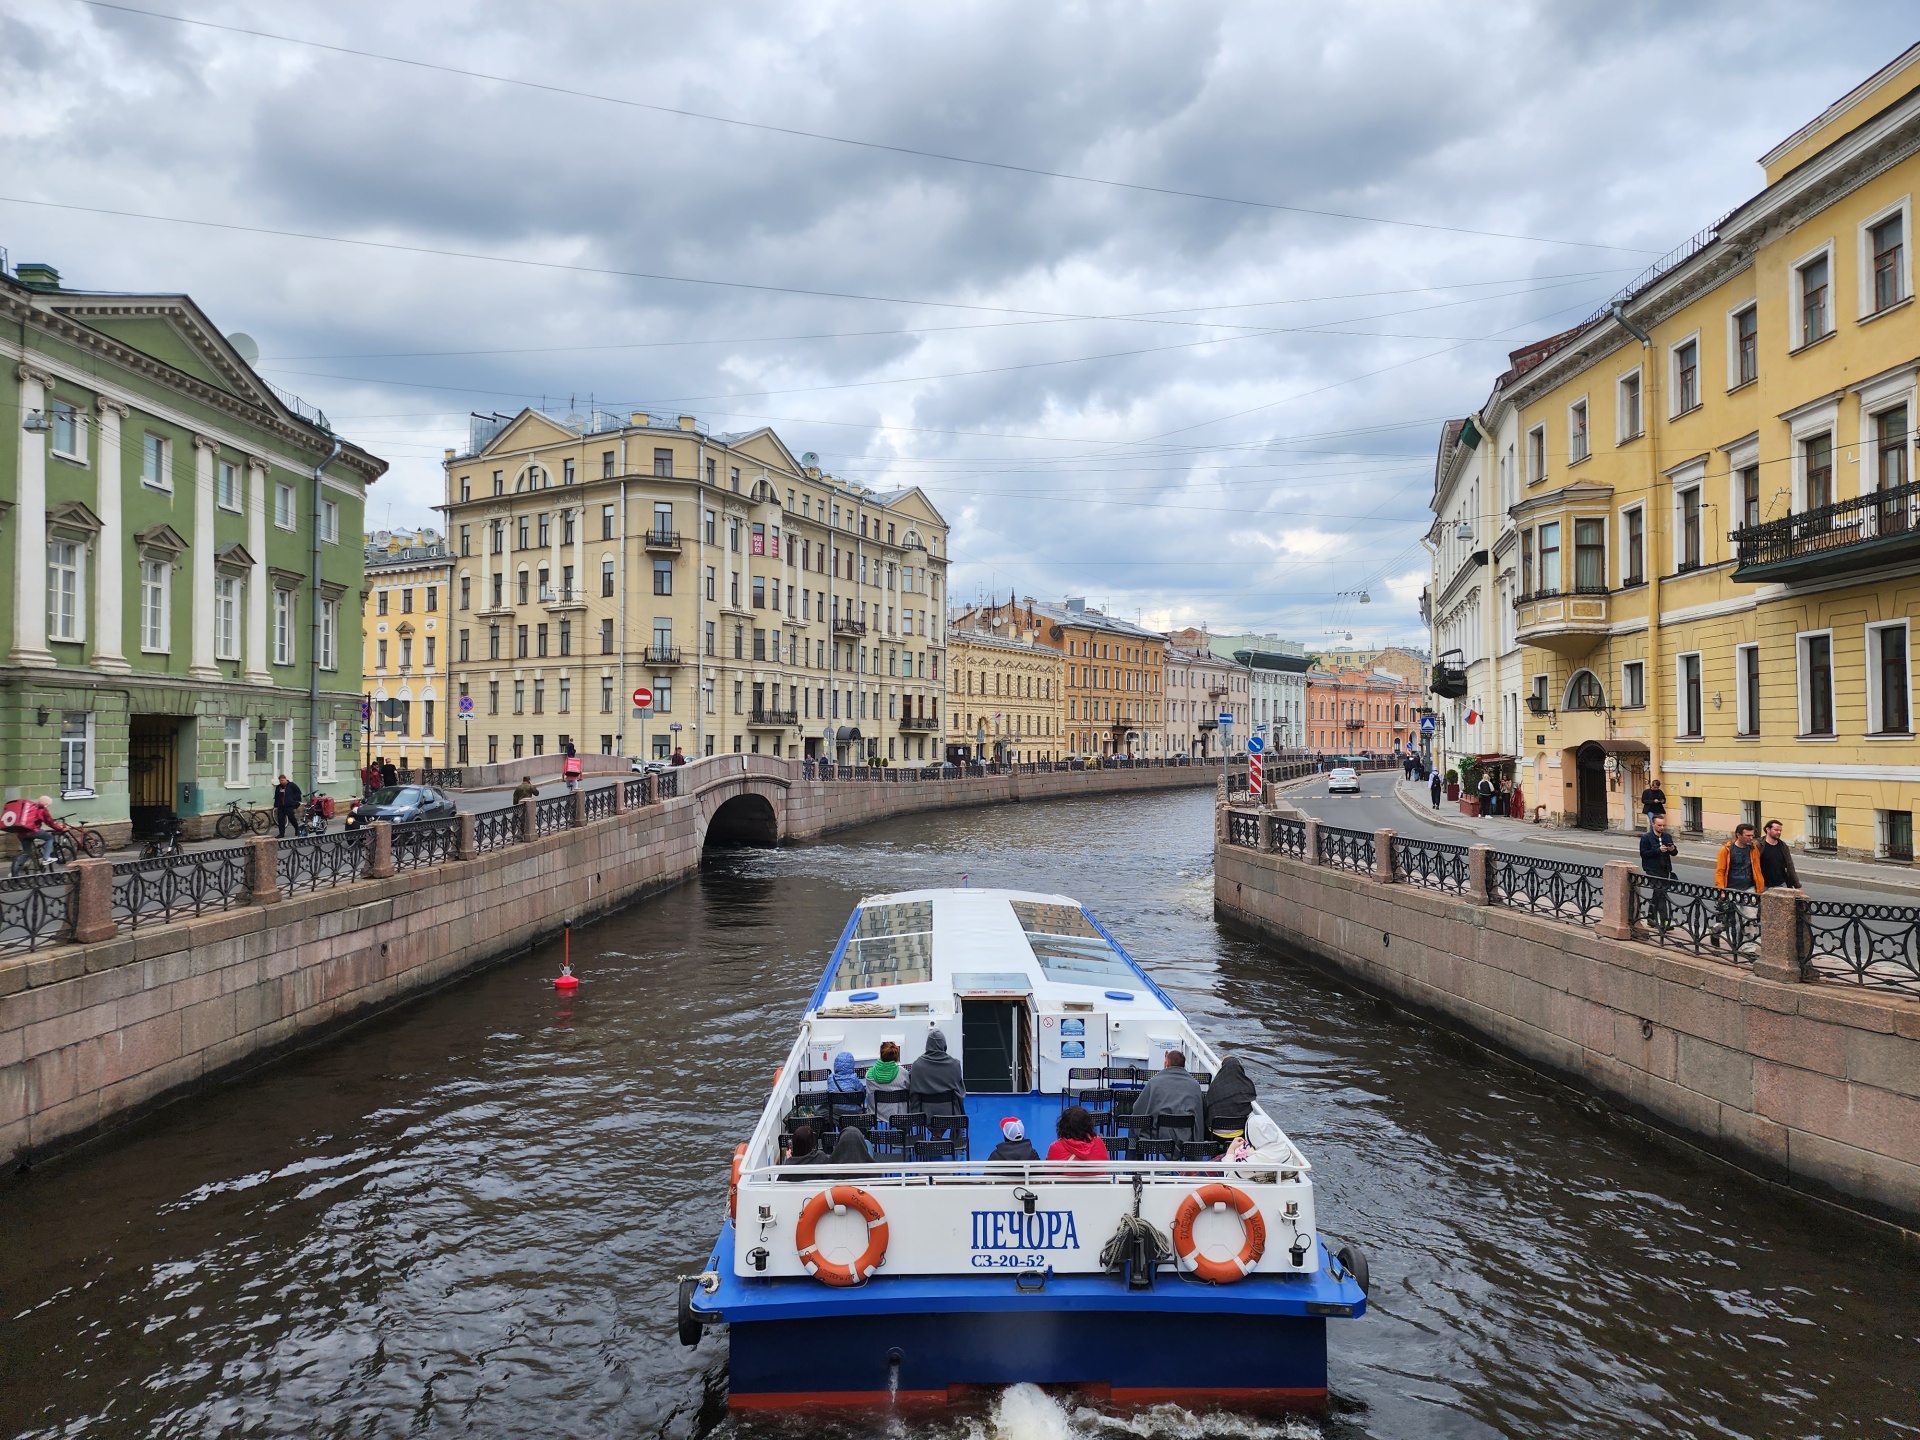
column 1229, row 1099
column 1173, row 1093
column 802, row 1149
column 937, row 1085
column 851, row 1148
column 1076, row 1138
column 1014, row 1144
column 845, row 1079
column 887, row 1082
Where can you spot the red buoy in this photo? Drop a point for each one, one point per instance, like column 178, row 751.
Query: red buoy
column 566, row 981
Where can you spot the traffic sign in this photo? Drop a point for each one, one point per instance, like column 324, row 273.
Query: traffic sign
column 1255, row 745
column 1256, row 775
column 1226, row 719
column 366, row 711
column 1426, row 724
column 466, row 704
column 642, row 698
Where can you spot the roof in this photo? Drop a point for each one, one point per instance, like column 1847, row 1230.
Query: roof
column 1088, row 618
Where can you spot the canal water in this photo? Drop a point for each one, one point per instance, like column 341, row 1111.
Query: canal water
column 468, row 1217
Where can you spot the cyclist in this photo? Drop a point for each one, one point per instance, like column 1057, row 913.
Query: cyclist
column 34, row 823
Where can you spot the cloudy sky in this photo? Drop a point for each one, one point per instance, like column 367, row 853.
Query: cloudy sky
column 1195, row 371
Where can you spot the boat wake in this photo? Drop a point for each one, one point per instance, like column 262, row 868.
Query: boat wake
column 1026, row 1412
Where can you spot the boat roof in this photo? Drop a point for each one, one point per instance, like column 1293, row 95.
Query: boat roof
column 930, row 945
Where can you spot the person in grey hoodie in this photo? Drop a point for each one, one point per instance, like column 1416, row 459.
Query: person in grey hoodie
column 936, row 1084
column 1173, row 1093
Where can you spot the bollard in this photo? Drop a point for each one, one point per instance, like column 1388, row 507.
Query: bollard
column 1479, row 867
column 263, row 869
column 620, row 797
column 652, row 790
column 579, row 817
column 1312, row 857
column 1616, row 901
column 1782, row 917
column 465, row 848
column 1383, row 856
column 529, row 820
column 92, row 901
column 381, row 867
column 1268, row 841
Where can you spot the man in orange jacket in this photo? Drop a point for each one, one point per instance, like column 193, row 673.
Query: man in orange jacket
column 1737, row 869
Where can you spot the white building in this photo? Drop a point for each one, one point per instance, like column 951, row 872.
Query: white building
column 1278, row 688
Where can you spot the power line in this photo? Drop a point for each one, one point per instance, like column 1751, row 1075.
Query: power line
column 875, row 145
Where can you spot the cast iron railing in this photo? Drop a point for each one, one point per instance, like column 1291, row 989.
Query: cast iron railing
column 420, row 843
column 1290, row 837
column 446, row 779
column 1557, row 888
column 36, row 910
column 636, row 793
column 192, row 882
column 1243, row 828
column 1431, row 865
column 319, row 862
column 1719, row 924
column 1872, row 516
column 498, row 829
column 667, row 784
column 1346, row 849
column 1873, row 945
column 600, row 803
column 552, row 815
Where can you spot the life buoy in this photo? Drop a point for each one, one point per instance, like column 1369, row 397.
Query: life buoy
column 733, row 1182
column 1252, row 1247
column 841, row 1198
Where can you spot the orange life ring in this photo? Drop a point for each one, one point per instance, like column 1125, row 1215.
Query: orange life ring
column 1220, row 1272
column 832, row 1272
column 733, row 1182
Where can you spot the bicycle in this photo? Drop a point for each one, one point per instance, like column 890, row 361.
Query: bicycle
column 163, row 842
column 236, row 820
column 84, row 839
column 39, row 854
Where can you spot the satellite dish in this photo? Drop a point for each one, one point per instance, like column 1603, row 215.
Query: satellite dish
column 1054, row 632
column 245, row 346
column 810, row 459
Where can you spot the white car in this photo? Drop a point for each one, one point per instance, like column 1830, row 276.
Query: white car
column 1343, row 780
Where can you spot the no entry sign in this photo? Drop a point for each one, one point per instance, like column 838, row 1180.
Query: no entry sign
column 642, row 698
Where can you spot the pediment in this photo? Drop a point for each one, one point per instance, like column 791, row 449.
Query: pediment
column 527, row 430
column 160, row 540
column 73, row 518
column 174, row 331
column 235, row 557
column 768, row 448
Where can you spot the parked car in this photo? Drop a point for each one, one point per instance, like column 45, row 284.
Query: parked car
column 401, row 803
column 1343, row 780
column 643, row 766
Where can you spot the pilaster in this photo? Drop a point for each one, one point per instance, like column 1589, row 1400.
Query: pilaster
column 30, row 527
column 202, row 666
column 109, row 565
column 258, row 584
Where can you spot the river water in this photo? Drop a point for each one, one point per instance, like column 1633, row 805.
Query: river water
column 468, row 1217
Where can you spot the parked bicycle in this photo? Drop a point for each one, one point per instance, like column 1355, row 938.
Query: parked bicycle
column 164, row 840
column 236, row 820
column 81, row 837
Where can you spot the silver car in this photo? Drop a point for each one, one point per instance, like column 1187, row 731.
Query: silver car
column 1343, row 780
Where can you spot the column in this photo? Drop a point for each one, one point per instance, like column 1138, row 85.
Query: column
column 202, row 666
column 553, row 556
column 258, row 583
column 110, row 559
column 30, row 538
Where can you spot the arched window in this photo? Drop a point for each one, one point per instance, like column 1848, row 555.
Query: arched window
column 1584, row 692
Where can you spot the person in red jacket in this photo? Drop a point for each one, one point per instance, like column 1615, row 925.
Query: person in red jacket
column 1077, row 1140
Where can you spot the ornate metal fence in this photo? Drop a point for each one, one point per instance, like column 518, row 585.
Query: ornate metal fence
column 172, row 887
column 1431, row 865
column 319, row 862
column 498, row 828
column 1346, row 849
column 1243, row 828
column 420, row 843
column 1555, row 888
column 1720, row 924
column 552, row 815
column 1873, row 945
column 667, row 784
column 36, row 910
column 600, row 803
column 636, row 793
column 1290, row 837
column 447, row 779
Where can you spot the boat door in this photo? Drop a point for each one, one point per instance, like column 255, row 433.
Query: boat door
column 993, row 1045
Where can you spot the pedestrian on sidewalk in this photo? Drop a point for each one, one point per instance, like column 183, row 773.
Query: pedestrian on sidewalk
column 1485, row 787
column 1737, row 870
column 286, row 806
column 1776, row 859
column 525, row 790
column 1433, row 787
column 1656, row 861
column 1506, row 796
column 1653, row 800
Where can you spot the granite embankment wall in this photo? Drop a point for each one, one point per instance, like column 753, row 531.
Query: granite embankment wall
column 91, row 1034
column 1816, row 1086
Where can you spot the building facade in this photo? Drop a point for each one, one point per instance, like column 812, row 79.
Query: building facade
column 1115, row 680
column 1351, row 711
column 1005, row 690
column 1201, row 687
column 404, row 657
column 766, row 606
column 1718, row 529
column 1277, row 680
column 185, row 549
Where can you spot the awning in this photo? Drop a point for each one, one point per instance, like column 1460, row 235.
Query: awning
column 847, row 733
column 1622, row 747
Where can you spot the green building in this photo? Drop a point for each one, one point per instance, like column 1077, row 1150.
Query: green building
column 181, row 624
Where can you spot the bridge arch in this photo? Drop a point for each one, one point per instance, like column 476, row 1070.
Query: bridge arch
column 743, row 809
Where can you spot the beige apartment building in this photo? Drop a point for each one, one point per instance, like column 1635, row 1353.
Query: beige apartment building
column 1005, row 688
column 403, row 634
column 768, row 607
column 1201, row 687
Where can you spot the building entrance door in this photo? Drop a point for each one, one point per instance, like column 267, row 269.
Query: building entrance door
column 153, row 764
column 1590, row 769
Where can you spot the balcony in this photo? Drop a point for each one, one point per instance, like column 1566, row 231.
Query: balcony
column 759, row 719
column 1870, row 530
column 927, row 723
column 1449, row 682
column 849, row 627
column 661, row 655
column 1567, row 623
column 562, row 598
column 666, row 542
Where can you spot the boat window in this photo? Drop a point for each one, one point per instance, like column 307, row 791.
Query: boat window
column 1068, row 946
column 891, row 945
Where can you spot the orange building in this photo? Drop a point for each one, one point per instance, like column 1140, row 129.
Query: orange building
column 1349, row 711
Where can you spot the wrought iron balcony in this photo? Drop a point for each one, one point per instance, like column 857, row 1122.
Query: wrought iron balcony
column 661, row 655
column 1449, row 682
column 849, row 627
column 666, row 541
column 1882, row 528
column 1356, row 724
column 760, row 719
column 1569, row 623
column 920, row 722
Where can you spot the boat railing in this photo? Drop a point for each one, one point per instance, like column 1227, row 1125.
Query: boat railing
column 922, row 1173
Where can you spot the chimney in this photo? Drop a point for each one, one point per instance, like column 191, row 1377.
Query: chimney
column 37, row 276
column 638, row 417
column 686, row 422
column 449, row 452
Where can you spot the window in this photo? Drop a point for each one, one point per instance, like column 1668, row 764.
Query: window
column 566, row 472
column 1630, row 421
column 1890, row 469
column 662, row 634
column 710, row 639
column 566, row 637
column 662, row 518
column 540, row 641
column 663, row 463
column 546, row 530
column 329, row 634
column 606, row 578
column 464, row 641
column 283, row 621
column 1746, row 677
column 663, row 577
column 1688, row 501
column 1526, row 563
column 606, row 637
column 566, row 695
column 1746, row 346
column 663, row 694
column 227, row 485
column 1689, row 716
column 1590, row 556
column 493, row 642
column 606, row 694
column 1894, row 835
column 1584, row 692
column 1633, row 684
column 1549, row 559
column 76, row 755
column 156, row 461
column 226, row 617
column 66, row 430
column 1686, row 376
column 1748, row 480
column 493, row 697
column 1576, row 432
column 1816, row 454
column 433, row 599
column 156, row 603
column 466, row 487
column 63, row 590
column 1536, row 699
column 519, row 697
column 1823, row 828
column 606, row 464
column 379, row 602
column 379, row 654
column 1812, row 294
column 566, row 527
column 1816, row 683
column 759, row 592
column 1887, row 254
column 499, row 482
column 1693, row 814
column 1635, row 560
column 1888, row 712
column 330, row 522
column 539, row 699
column 236, row 751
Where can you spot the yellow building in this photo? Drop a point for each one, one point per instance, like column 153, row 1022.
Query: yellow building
column 1004, row 688
column 768, row 607
column 1718, row 533
column 403, row 629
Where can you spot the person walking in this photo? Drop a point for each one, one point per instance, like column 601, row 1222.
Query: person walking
column 678, row 758
column 525, row 790
column 1737, row 871
column 1656, row 861
column 1653, row 800
column 389, row 774
column 286, row 807
column 1776, row 859
column 1433, row 787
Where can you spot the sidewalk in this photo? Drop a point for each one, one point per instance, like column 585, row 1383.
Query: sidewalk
column 1625, row 845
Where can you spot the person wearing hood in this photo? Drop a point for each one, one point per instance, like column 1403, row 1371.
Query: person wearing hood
column 1076, row 1139
column 1172, row 1093
column 845, row 1079
column 1014, row 1144
column 1229, row 1099
column 937, row 1085
column 886, row 1082
column 851, row 1148
column 802, row 1150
